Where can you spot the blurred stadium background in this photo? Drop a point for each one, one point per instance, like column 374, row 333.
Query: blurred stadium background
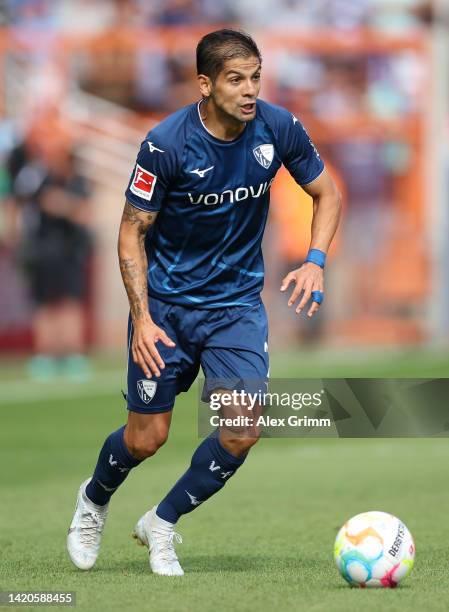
column 84, row 81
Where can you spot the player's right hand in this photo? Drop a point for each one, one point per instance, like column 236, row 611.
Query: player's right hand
column 144, row 351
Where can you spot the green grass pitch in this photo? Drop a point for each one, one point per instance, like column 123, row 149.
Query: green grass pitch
column 264, row 542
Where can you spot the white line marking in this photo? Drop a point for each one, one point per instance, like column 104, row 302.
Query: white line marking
column 102, row 383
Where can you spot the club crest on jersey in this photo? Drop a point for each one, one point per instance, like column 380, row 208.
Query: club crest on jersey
column 264, row 154
column 146, row 390
column 143, row 183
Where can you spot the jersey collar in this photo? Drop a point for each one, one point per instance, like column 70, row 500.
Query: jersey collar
column 210, row 135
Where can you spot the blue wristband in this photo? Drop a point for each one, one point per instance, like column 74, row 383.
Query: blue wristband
column 317, row 257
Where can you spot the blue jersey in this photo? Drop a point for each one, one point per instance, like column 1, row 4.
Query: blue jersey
column 204, row 249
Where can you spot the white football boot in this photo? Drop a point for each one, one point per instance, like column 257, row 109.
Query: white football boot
column 86, row 529
column 158, row 536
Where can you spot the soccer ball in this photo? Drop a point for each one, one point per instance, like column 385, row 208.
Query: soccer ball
column 374, row 549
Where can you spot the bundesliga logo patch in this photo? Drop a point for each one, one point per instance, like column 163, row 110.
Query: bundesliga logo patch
column 264, row 154
column 143, row 183
column 146, row 390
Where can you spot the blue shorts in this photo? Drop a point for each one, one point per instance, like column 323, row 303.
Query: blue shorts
column 230, row 344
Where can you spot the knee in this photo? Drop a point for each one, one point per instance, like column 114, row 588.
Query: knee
column 239, row 446
column 142, row 446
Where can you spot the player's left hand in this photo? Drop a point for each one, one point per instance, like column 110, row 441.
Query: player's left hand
column 309, row 277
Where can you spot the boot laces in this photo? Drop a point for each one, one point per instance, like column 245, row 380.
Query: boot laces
column 91, row 525
column 165, row 542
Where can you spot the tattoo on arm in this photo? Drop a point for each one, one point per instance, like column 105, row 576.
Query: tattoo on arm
column 133, row 216
column 132, row 257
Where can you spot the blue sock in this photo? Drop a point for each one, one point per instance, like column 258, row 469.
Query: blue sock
column 211, row 467
column 113, row 466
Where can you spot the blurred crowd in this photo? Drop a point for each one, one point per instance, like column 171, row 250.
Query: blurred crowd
column 46, row 236
column 122, row 75
column 321, row 84
column 96, row 15
column 45, row 219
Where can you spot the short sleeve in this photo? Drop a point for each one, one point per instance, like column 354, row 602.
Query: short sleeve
column 299, row 154
column 154, row 170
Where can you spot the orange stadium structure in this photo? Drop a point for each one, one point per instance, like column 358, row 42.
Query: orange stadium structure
column 388, row 295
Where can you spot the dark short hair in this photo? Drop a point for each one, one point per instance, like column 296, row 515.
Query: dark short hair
column 217, row 47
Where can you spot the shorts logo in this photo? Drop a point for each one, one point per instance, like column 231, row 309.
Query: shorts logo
column 264, row 154
column 143, row 183
column 146, row 390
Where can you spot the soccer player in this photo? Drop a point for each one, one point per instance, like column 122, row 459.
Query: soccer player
column 191, row 261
